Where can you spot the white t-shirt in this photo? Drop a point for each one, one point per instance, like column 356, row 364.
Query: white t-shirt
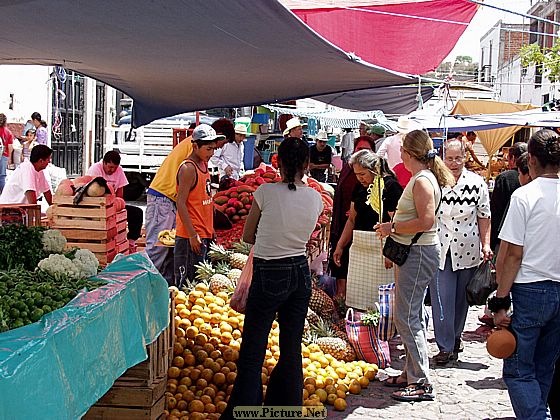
column 391, row 150
column 117, row 179
column 287, row 220
column 533, row 222
column 24, row 178
column 232, row 156
column 347, row 143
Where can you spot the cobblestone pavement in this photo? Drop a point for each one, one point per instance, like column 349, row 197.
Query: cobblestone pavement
column 470, row 388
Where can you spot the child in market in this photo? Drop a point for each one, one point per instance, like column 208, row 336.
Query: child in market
column 194, row 205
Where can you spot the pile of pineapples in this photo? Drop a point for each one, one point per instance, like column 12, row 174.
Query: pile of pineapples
column 208, row 338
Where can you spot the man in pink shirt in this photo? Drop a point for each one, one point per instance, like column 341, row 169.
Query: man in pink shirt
column 109, row 168
column 6, row 148
column 391, row 150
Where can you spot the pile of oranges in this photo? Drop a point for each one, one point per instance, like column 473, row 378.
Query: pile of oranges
column 207, row 342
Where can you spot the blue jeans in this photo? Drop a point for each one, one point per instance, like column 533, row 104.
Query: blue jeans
column 536, row 325
column 3, row 169
column 160, row 215
column 448, row 294
column 280, row 286
column 185, row 259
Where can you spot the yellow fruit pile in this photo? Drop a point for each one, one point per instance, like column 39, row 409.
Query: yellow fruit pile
column 207, row 342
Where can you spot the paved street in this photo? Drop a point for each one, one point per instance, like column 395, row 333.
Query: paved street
column 470, row 388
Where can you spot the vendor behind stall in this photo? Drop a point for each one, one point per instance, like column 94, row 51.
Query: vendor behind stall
column 320, row 157
column 195, row 212
column 109, row 168
column 28, row 181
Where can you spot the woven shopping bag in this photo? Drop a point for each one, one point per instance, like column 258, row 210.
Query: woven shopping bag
column 386, row 328
column 365, row 342
column 239, row 298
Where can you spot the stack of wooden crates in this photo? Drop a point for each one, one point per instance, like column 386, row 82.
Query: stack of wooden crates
column 139, row 393
column 93, row 224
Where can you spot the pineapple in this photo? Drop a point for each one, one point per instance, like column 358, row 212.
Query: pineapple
column 312, row 317
column 234, row 275
column 327, row 341
column 236, row 258
column 218, row 253
column 322, row 304
column 221, row 283
column 242, row 248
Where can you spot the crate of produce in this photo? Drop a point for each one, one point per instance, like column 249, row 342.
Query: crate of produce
column 93, row 213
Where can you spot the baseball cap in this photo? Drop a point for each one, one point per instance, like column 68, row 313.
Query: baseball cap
column 204, row 132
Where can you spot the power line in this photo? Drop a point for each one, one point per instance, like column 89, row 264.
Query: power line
column 525, row 15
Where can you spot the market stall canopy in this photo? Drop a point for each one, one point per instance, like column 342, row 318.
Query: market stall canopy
column 337, row 118
column 412, row 36
column 390, row 99
column 492, row 140
column 481, row 122
column 178, row 56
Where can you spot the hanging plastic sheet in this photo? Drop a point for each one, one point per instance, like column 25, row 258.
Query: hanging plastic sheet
column 60, row 366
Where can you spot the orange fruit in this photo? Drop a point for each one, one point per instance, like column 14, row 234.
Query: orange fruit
column 178, row 361
column 173, row 372
column 364, row 382
column 196, row 406
column 219, row 378
column 331, row 398
column 221, row 406
column 171, row 402
column 339, row 404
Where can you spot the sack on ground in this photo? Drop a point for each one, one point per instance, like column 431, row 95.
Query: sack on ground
column 386, row 328
column 365, row 342
column 482, row 283
column 239, row 298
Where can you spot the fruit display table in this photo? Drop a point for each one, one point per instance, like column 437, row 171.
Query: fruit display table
column 73, row 355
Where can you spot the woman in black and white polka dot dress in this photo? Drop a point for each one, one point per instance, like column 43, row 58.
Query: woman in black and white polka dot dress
column 464, row 233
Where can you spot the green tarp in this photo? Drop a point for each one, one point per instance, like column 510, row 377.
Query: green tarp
column 60, row 366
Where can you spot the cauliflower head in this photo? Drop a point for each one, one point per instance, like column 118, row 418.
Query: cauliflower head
column 86, row 263
column 57, row 265
column 53, row 241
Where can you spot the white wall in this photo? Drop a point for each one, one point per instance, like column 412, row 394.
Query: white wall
column 30, row 87
column 490, row 50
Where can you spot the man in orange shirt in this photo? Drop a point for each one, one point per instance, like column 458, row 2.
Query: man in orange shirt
column 195, row 213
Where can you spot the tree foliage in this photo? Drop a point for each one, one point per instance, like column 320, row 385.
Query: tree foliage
column 547, row 59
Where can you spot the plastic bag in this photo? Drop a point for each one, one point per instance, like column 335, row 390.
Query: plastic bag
column 386, row 328
column 239, row 297
column 482, row 283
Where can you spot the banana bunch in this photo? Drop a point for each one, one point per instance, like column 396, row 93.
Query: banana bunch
column 167, row 237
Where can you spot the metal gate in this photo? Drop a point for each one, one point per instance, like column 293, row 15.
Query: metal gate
column 99, row 121
column 67, row 141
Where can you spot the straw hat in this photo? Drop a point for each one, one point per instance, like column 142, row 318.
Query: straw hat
column 322, row 136
column 241, row 129
column 405, row 125
column 292, row 123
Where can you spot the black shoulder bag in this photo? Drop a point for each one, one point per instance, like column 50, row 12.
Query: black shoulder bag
column 397, row 252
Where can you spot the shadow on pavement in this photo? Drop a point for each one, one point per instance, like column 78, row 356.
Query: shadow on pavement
column 459, row 365
column 487, row 383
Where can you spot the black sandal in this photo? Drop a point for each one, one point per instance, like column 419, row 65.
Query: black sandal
column 393, row 382
column 414, row 392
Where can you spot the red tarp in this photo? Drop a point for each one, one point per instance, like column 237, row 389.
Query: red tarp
column 383, row 33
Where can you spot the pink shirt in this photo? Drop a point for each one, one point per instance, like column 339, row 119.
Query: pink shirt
column 391, row 150
column 117, row 180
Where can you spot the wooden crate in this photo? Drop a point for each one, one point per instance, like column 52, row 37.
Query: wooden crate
column 26, row 214
column 154, row 412
column 92, row 213
column 127, row 396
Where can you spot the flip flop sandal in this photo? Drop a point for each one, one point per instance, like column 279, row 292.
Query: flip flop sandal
column 392, row 382
column 413, row 393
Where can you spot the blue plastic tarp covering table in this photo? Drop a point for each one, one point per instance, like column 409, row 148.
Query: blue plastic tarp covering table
column 60, row 366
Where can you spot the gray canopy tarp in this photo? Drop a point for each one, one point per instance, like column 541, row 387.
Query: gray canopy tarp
column 176, row 56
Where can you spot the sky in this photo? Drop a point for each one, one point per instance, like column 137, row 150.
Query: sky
column 485, row 18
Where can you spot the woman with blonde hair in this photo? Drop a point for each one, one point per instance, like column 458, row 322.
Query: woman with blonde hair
column 414, row 227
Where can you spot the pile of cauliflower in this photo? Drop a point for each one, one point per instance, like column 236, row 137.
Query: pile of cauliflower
column 84, row 264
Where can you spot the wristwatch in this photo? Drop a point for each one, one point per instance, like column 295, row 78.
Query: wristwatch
column 393, row 230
